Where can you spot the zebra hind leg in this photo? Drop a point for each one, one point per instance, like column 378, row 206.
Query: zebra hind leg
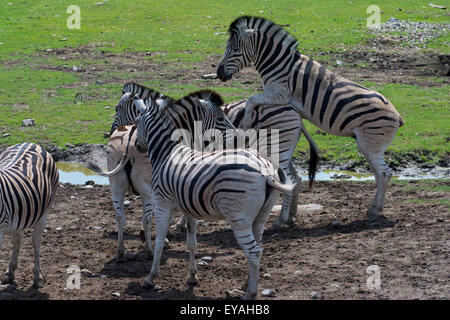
column 162, row 215
column 118, row 195
column 191, row 240
column 8, row 277
column 373, row 150
column 37, row 242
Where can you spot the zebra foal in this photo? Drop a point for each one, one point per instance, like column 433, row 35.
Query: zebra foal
column 28, row 182
column 236, row 185
column 336, row 105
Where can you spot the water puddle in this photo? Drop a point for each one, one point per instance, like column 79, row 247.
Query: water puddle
column 77, row 173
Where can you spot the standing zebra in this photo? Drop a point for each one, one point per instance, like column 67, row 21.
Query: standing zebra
column 334, row 104
column 236, row 185
column 289, row 123
column 28, row 182
column 134, row 172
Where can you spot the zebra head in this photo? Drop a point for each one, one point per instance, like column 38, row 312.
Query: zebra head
column 201, row 116
column 241, row 47
column 126, row 111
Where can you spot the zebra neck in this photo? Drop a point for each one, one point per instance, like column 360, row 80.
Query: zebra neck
column 160, row 143
column 276, row 61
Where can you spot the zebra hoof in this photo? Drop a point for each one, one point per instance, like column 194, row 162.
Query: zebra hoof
column 166, row 244
column 120, row 258
column 372, row 215
column 192, row 280
column 248, row 296
column 38, row 283
column 8, row 278
column 277, row 225
column 148, row 285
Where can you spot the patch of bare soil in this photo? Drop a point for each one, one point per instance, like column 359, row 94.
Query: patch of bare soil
column 410, row 246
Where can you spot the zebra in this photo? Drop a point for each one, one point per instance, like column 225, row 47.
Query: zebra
column 286, row 119
column 336, row 105
column 232, row 184
column 289, row 123
column 28, row 182
column 134, row 172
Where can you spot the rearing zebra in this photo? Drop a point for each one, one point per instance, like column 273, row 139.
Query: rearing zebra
column 331, row 102
column 28, row 182
column 236, row 185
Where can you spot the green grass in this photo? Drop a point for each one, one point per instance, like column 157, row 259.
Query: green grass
column 183, row 33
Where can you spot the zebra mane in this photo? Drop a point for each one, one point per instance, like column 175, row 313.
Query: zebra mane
column 144, row 92
column 207, row 94
column 251, row 22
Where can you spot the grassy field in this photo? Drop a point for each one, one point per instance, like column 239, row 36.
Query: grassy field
column 168, row 44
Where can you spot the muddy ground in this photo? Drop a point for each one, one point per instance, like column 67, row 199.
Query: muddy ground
column 410, row 246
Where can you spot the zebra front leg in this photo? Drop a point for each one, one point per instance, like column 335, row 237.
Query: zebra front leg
column 8, row 277
column 118, row 202
column 271, row 95
column 191, row 240
column 162, row 214
column 37, row 242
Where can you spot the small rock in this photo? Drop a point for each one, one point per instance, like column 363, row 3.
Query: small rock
column 207, row 259
column 156, row 288
column 203, row 263
column 63, row 39
column 58, row 228
column 314, row 295
column 28, row 123
column 97, row 228
column 89, row 182
column 74, row 68
column 440, row 219
column 126, row 202
column 88, row 187
column 209, row 76
column 117, row 294
column 266, row 276
column 296, row 272
column 268, row 293
column 408, row 225
column 6, row 135
column 339, row 62
column 234, row 294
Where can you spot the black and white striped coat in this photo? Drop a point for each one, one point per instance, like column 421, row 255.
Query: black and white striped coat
column 235, row 185
column 334, row 104
column 28, row 182
column 289, row 124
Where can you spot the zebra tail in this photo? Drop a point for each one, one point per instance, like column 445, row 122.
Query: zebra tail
column 284, row 188
column 313, row 159
column 123, row 161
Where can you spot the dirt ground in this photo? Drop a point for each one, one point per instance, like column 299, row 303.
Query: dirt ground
column 410, row 246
